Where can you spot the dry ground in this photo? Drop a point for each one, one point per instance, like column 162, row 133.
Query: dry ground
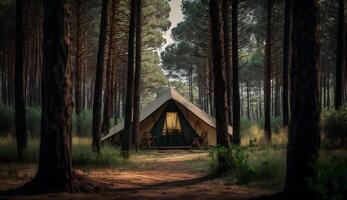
column 169, row 174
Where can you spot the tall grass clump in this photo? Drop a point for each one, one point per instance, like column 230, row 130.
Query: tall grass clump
column 246, row 165
column 255, row 138
column 334, row 125
column 82, row 154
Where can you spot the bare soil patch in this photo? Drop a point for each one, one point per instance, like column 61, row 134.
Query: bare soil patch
column 174, row 174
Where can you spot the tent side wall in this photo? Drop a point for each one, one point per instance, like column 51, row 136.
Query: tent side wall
column 199, row 126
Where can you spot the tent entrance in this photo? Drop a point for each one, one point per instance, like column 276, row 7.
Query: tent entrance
column 172, row 129
column 172, row 124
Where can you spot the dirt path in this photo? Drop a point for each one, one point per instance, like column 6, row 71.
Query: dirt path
column 156, row 175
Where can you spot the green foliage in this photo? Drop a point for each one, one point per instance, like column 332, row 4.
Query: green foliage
column 6, row 120
column 238, row 169
column 82, row 154
column 331, row 180
column 86, row 119
column 8, row 151
column 245, row 165
column 334, row 124
column 246, row 126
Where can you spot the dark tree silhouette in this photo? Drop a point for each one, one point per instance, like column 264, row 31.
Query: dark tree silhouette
column 304, row 133
column 235, row 79
column 137, row 80
column 220, row 94
column 99, row 79
column 267, row 81
column 55, row 171
column 226, row 30
column 21, row 135
column 128, row 114
column 286, row 50
column 109, row 71
column 339, row 56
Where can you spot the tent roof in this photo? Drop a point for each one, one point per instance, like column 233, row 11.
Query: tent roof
column 170, row 94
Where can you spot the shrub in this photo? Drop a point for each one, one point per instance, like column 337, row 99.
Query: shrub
column 334, row 124
column 245, row 165
column 238, row 170
column 331, row 180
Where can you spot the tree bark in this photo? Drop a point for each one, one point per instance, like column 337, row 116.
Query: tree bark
column 304, row 132
column 220, row 94
column 128, row 115
column 109, row 72
column 78, row 63
column 21, row 135
column 286, row 50
column 55, row 171
column 235, row 74
column 226, row 30
column 99, row 79
column 339, row 56
column 267, row 82
column 137, row 92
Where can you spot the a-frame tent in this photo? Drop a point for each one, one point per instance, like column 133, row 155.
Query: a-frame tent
column 171, row 120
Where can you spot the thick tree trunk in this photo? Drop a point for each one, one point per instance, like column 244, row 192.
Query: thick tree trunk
column 226, row 30
column 286, row 50
column 137, row 79
column 21, row 135
column 128, row 115
column 99, row 79
column 304, row 133
column 220, row 93
column 235, row 74
column 339, row 56
column 267, row 82
column 55, row 171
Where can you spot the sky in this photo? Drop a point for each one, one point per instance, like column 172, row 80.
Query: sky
column 176, row 16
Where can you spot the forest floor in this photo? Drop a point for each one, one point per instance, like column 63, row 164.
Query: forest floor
column 156, row 174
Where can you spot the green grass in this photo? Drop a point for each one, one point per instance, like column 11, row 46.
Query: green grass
column 82, row 154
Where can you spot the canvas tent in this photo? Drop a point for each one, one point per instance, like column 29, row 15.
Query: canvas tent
column 171, row 120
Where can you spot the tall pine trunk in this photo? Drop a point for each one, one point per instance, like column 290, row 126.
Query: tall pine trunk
column 78, row 64
column 108, row 97
column 286, row 50
column 99, row 79
column 21, row 135
column 304, row 133
column 339, row 56
column 137, row 92
column 220, row 93
column 267, row 82
column 55, row 170
column 128, row 115
column 226, row 30
column 235, row 73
